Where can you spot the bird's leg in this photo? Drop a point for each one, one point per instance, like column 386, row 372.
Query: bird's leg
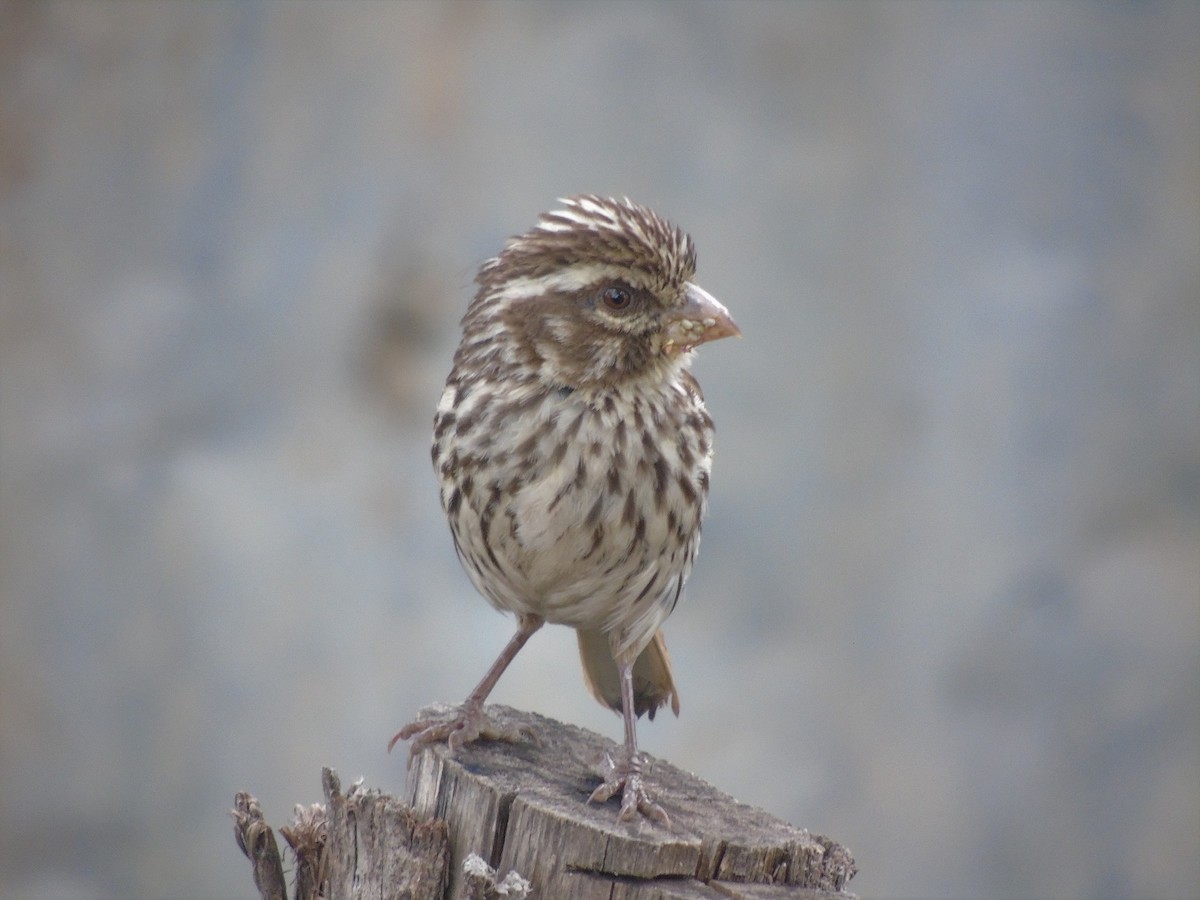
column 624, row 774
column 464, row 724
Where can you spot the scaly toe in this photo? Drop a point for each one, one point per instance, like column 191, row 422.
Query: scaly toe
column 624, row 776
column 457, row 726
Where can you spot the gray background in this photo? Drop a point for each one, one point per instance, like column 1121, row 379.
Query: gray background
column 947, row 609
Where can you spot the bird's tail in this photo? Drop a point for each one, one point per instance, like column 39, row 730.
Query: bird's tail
column 653, row 682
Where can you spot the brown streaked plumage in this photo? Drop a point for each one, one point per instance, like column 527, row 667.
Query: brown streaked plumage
column 573, row 453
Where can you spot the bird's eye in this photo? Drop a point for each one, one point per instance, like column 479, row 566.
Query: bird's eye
column 615, row 298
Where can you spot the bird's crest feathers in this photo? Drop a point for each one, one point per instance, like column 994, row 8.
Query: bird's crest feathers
column 590, row 230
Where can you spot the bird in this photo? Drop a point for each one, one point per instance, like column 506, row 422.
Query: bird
column 573, row 452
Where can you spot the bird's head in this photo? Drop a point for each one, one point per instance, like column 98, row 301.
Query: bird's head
column 595, row 295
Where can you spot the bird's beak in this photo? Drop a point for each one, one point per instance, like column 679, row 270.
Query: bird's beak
column 701, row 318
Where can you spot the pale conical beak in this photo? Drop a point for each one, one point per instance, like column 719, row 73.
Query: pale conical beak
column 702, row 318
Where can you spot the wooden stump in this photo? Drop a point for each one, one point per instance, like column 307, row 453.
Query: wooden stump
column 522, row 808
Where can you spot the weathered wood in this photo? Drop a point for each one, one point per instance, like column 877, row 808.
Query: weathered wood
column 308, row 836
column 523, row 807
column 379, row 849
column 256, row 839
column 518, row 817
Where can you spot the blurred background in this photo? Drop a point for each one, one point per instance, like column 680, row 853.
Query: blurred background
column 947, row 608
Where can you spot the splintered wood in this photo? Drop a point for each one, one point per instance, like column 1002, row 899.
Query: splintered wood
column 523, row 808
column 516, row 815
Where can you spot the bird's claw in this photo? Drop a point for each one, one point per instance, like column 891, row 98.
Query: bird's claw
column 625, row 775
column 456, row 726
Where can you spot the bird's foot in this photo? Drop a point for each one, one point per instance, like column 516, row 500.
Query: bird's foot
column 624, row 774
column 457, row 725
